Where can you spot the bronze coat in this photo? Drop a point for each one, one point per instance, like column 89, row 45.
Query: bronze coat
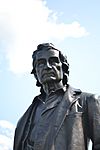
column 78, row 114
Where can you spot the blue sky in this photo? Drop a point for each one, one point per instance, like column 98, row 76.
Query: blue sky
column 72, row 26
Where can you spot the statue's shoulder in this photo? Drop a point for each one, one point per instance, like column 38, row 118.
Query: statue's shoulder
column 90, row 96
column 73, row 91
column 24, row 116
column 77, row 91
column 83, row 96
column 28, row 111
column 89, row 99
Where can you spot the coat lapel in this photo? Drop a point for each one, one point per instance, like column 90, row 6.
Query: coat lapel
column 51, row 104
column 69, row 98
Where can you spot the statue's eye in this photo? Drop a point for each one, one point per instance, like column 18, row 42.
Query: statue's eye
column 40, row 62
column 54, row 60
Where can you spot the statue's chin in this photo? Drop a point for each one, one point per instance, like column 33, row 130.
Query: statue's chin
column 48, row 80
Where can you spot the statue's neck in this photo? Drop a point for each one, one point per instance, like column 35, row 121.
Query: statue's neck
column 52, row 86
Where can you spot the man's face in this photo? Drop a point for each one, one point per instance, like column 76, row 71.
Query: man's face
column 48, row 66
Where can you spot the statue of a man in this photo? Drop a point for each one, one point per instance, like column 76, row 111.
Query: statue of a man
column 61, row 117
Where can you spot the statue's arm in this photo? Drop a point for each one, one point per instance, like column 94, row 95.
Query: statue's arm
column 93, row 109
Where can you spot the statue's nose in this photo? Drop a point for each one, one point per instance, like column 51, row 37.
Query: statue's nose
column 48, row 65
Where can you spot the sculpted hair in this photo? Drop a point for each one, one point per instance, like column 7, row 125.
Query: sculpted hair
column 63, row 59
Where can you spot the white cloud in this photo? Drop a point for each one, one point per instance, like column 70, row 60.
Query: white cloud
column 5, row 143
column 6, row 135
column 24, row 24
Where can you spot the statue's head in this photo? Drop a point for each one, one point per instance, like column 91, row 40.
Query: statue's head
column 49, row 65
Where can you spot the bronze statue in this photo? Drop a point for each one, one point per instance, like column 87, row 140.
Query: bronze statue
column 61, row 117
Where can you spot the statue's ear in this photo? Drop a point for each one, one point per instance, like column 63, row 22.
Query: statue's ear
column 65, row 68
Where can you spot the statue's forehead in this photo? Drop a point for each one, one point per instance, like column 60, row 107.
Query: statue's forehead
column 47, row 54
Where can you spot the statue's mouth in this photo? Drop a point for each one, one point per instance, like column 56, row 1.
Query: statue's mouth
column 48, row 74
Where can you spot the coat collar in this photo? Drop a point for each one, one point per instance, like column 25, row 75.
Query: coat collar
column 53, row 100
column 69, row 98
column 73, row 93
column 70, row 94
